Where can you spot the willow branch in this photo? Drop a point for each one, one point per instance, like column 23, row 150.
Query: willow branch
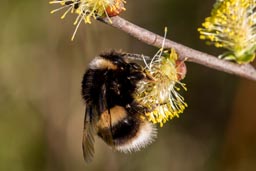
column 150, row 38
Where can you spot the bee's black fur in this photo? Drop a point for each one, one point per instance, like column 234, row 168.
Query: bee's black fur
column 116, row 85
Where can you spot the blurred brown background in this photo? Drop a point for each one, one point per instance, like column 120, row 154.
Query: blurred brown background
column 41, row 110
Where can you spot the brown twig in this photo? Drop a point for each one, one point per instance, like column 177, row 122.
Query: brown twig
column 246, row 71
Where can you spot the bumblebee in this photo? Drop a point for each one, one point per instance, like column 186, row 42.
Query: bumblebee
column 111, row 111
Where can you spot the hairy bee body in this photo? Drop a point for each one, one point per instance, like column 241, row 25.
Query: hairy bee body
column 111, row 111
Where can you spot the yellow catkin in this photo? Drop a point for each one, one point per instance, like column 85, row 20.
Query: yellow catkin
column 161, row 96
column 232, row 25
column 88, row 9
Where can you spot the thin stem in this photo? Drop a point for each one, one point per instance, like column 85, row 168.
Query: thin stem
column 150, row 38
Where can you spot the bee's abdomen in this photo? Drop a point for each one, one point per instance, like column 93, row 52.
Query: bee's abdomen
column 126, row 132
column 120, row 132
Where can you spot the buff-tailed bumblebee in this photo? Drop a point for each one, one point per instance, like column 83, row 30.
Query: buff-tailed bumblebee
column 111, row 112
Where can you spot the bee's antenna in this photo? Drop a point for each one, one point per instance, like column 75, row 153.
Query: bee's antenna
column 137, row 57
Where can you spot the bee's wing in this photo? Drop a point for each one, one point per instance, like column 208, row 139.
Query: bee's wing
column 92, row 114
column 88, row 134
